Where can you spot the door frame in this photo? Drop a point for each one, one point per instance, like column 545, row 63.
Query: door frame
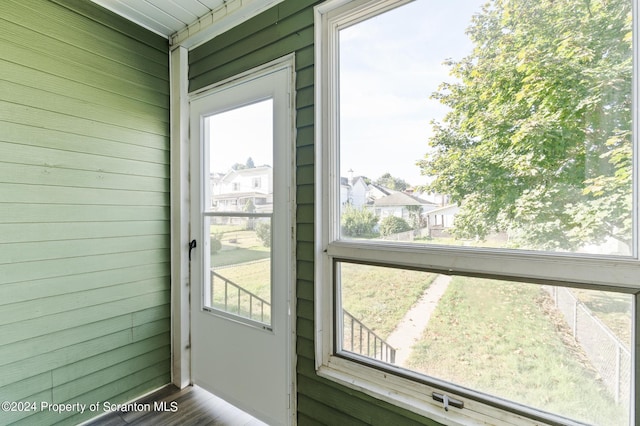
column 181, row 209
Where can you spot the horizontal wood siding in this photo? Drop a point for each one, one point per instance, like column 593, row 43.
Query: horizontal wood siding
column 278, row 31
column 84, row 208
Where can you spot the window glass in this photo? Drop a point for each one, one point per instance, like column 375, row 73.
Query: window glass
column 561, row 350
column 240, row 274
column 504, row 124
column 241, row 158
column 473, row 125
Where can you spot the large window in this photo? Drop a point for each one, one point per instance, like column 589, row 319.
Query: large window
column 477, row 180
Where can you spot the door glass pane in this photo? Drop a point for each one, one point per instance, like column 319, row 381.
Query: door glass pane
column 489, row 124
column 241, row 267
column 240, row 212
column 241, row 159
column 562, row 350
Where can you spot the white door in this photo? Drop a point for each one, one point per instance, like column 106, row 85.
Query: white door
column 242, row 267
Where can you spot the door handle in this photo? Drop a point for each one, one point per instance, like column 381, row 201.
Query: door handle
column 192, row 245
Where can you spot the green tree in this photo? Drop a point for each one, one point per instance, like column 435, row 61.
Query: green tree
column 388, row 181
column 415, row 217
column 357, row 222
column 216, row 243
column 249, row 164
column 249, row 207
column 393, row 225
column 538, row 138
column 263, row 231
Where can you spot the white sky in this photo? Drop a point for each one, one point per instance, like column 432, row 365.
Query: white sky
column 390, row 65
column 241, row 133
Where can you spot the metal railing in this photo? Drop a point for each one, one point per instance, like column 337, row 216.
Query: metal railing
column 360, row 339
column 237, row 300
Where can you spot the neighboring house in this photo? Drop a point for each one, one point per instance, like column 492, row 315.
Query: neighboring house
column 375, row 192
column 353, row 191
column 396, row 204
column 441, row 218
column 236, row 188
column 436, row 198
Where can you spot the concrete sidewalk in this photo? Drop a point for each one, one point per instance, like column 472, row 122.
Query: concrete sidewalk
column 410, row 329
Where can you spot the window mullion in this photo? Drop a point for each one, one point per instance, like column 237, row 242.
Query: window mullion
column 588, row 272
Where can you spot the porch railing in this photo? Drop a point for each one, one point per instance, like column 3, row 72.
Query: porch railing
column 360, row 339
column 236, row 299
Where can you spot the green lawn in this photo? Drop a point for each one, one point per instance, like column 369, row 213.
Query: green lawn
column 506, row 339
column 238, row 246
column 245, row 261
column 252, row 276
column 236, row 255
column 380, row 297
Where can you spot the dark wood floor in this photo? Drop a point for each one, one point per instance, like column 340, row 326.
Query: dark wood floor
column 190, row 406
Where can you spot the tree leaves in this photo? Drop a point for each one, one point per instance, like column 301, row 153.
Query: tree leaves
column 538, row 139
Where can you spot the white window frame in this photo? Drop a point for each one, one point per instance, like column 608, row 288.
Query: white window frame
column 621, row 274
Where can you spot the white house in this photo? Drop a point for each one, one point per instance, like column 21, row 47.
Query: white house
column 396, row 204
column 436, row 198
column 353, row 191
column 442, row 217
column 232, row 191
column 375, row 192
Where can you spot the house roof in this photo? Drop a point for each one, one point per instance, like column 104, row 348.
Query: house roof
column 401, row 199
column 382, row 189
column 449, row 209
column 253, row 171
column 345, row 181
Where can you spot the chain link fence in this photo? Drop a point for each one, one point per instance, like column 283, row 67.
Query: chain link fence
column 606, row 352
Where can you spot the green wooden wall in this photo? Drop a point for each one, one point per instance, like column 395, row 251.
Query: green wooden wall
column 84, row 208
column 281, row 30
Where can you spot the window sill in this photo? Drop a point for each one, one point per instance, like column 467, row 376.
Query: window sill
column 416, row 397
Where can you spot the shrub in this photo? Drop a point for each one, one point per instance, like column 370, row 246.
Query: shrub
column 263, row 230
column 216, row 243
column 358, row 222
column 393, row 225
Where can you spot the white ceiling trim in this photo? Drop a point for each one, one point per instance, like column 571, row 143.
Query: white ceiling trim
column 187, row 23
column 163, row 17
column 232, row 13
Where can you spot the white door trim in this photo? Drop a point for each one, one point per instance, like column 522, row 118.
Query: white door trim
column 180, row 219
